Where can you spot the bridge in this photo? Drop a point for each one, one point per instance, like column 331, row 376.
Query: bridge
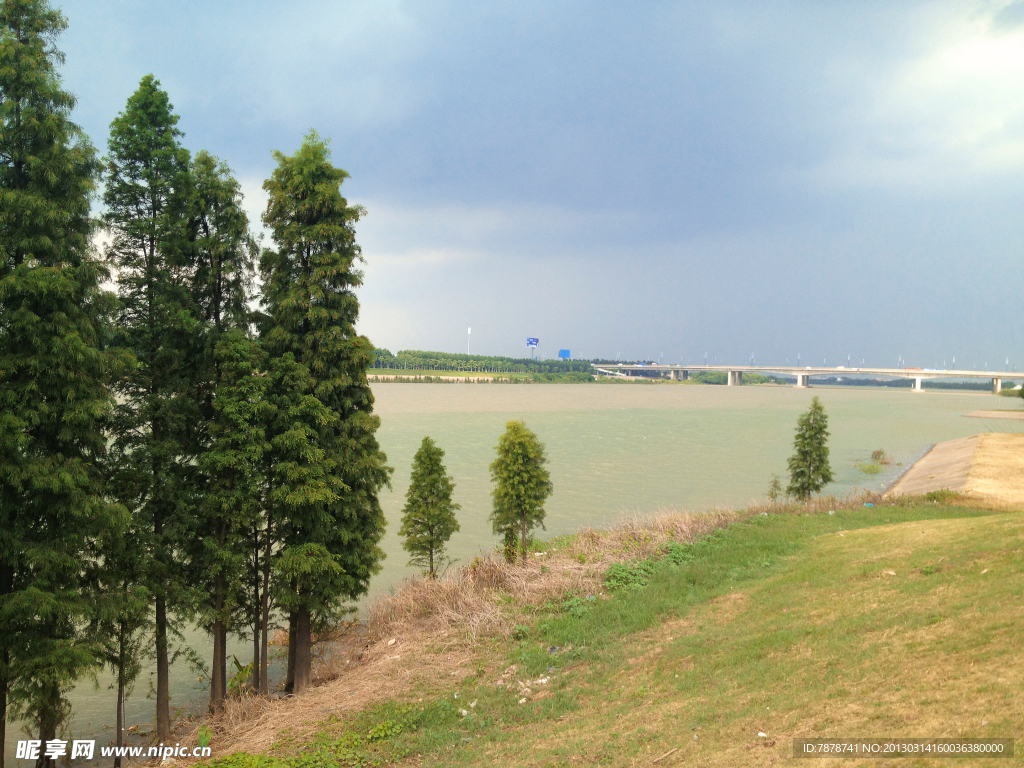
column 734, row 373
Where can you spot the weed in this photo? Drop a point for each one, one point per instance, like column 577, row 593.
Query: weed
column 575, row 607
column 629, row 576
column 944, row 496
column 679, row 554
column 384, row 730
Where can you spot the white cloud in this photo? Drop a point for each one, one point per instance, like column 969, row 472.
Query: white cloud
column 950, row 116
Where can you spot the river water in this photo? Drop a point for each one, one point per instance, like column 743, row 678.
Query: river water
column 614, row 450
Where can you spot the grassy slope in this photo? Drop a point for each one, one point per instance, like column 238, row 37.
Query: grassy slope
column 792, row 625
column 827, row 644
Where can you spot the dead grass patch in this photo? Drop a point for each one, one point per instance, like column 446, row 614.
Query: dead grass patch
column 997, row 471
column 489, row 595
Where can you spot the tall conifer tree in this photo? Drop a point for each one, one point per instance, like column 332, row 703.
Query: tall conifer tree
column 325, row 435
column 226, row 367
column 147, row 194
column 53, row 399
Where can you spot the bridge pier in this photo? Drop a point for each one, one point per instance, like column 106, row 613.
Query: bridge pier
column 918, row 384
column 735, row 378
column 803, row 380
column 674, row 375
column 997, row 386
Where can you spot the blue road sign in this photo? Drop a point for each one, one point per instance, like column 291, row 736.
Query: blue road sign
column 564, row 354
column 531, row 342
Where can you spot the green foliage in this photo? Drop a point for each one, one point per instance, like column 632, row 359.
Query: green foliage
column 629, row 576
column 415, row 360
column 679, row 554
column 575, row 606
column 384, row 730
column 809, row 468
column 521, row 486
column 223, row 560
column 328, row 466
column 205, row 734
column 775, row 488
column 428, row 519
column 147, row 189
column 240, row 677
column 868, row 469
column 944, row 496
column 716, row 377
column 54, row 402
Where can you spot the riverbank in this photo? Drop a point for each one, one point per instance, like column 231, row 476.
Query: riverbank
column 624, row 644
column 988, row 468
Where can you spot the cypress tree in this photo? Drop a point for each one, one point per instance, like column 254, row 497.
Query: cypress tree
column 521, row 486
column 224, row 363
column 329, row 466
column 428, row 519
column 232, row 510
column 147, row 195
column 809, row 469
column 53, row 365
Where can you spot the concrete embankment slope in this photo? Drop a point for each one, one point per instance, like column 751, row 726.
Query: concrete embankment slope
column 988, row 466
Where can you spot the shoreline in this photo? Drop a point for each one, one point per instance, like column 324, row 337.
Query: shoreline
column 988, row 466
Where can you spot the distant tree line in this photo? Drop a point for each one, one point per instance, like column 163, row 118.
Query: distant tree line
column 168, row 456
column 410, row 359
column 970, row 386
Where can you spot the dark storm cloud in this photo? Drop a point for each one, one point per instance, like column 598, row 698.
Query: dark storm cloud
column 625, row 178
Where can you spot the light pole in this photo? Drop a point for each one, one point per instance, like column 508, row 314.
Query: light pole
column 469, row 335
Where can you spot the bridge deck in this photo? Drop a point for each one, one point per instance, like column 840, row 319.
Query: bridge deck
column 787, row 370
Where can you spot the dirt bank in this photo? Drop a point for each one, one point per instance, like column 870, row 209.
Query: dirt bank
column 944, row 467
column 987, row 467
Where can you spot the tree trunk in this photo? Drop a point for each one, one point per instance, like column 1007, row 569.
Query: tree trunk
column 223, row 642
column 522, row 537
column 48, row 725
column 163, row 701
column 303, row 651
column 289, row 680
column 254, row 681
column 120, row 711
column 3, row 706
column 265, row 619
column 218, row 670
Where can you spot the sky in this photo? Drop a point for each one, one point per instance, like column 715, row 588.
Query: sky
column 842, row 181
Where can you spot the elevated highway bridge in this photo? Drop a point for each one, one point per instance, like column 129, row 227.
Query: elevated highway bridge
column 734, row 373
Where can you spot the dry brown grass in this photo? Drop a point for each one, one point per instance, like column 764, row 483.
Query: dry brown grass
column 485, row 597
column 997, row 470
